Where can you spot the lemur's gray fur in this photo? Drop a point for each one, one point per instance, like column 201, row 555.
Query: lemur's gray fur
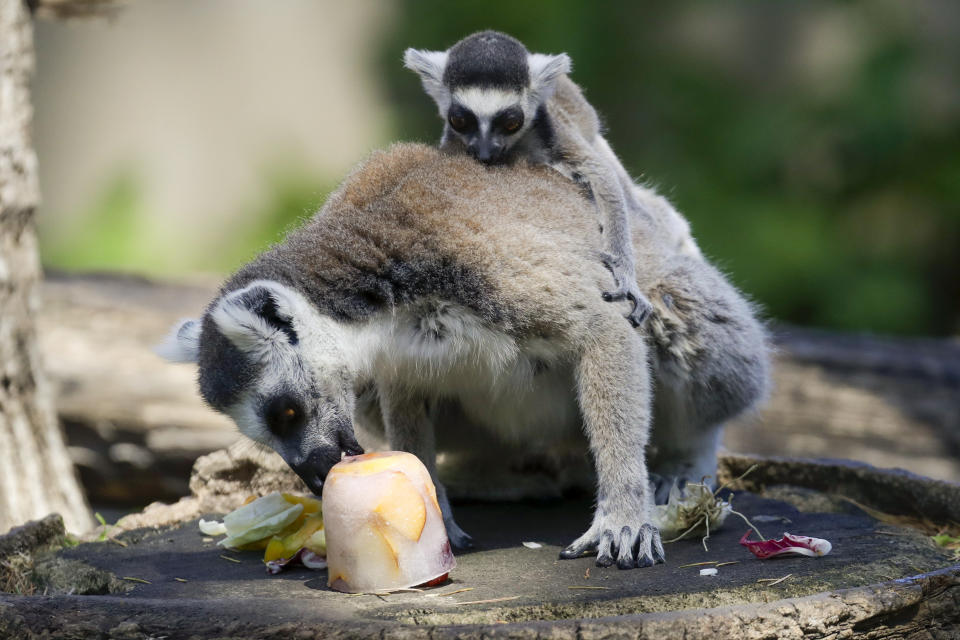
column 440, row 283
column 499, row 103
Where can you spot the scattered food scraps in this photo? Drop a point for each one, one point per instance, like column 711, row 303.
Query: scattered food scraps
column 212, row 527
column 708, row 572
column 532, row 545
column 697, row 564
column 180, row 579
column 695, row 509
column 287, row 527
column 787, row 545
column 140, row 580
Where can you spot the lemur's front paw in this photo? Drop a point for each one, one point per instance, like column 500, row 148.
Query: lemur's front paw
column 628, row 546
column 459, row 538
column 624, row 276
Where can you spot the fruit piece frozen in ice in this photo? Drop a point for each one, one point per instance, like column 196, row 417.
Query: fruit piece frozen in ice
column 402, row 506
column 368, row 463
column 383, row 527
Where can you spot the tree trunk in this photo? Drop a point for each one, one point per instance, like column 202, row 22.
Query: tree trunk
column 36, row 475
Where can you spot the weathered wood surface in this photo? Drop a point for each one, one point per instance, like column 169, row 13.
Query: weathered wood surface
column 36, row 477
column 881, row 580
column 135, row 423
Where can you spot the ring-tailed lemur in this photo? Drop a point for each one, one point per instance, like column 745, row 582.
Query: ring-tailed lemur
column 499, row 103
column 409, row 282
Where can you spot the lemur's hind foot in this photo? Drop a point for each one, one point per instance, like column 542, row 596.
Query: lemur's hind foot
column 629, row 548
column 624, row 276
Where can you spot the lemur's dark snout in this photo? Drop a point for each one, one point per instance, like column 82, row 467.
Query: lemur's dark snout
column 349, row 444
column 485, row 150
column 314, row 467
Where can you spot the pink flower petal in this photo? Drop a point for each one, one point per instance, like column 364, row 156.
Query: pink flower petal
column 787, row 545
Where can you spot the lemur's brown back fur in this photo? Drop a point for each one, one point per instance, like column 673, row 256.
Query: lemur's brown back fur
column 519, row 249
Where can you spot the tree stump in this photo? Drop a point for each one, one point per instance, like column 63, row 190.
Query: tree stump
column 883, row 579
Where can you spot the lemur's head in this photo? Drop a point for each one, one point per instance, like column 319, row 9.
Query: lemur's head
column 277, row 367
column 488, row 88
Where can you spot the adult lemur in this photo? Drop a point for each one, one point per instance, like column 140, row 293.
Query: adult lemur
column 500, row 103
column 466, row 297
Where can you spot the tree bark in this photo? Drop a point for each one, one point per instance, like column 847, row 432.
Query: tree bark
column 36, row 474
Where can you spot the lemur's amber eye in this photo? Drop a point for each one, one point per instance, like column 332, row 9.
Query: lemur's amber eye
column 283, row 415
column 458, row 122
column 511, row 126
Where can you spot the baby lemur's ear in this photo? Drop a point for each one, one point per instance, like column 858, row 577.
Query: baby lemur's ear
column 429, row 65
column 545, row 70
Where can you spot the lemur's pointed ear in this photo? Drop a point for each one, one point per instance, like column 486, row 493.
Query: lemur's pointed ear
column 545, row 70
column 182, row 344
column 256, row 318
column 429, row 65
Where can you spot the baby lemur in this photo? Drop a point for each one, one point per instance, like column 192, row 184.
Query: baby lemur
column 500, row 103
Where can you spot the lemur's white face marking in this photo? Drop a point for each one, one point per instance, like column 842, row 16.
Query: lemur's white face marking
column 280, row 369
column 485, row 103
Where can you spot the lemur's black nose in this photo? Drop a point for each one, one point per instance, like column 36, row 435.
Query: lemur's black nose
column 313, row 468
column 484, row 150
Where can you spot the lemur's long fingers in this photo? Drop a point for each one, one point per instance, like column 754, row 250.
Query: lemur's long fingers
column 615, row 296
column 659, row 556
column 578, row 548
column 625, row 557
column 605, row 550
column 649, row 547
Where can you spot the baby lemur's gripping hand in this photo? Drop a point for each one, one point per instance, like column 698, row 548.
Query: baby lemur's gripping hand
column 625, row 281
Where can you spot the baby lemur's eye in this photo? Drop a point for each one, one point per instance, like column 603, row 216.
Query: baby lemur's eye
column 283, row 415
column 509, row 120
column 461, row 119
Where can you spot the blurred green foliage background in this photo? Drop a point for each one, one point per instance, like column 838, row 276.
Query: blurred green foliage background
column 814, row 146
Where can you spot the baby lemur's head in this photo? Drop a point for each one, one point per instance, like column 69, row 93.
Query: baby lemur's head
column 489, row 89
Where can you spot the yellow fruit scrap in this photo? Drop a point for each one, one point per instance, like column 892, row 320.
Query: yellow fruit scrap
column 282, row 547
column 310, row 505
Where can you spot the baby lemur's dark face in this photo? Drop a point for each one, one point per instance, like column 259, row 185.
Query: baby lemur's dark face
column 488, row 121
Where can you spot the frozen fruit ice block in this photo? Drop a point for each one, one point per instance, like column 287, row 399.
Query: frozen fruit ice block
column 383, row 524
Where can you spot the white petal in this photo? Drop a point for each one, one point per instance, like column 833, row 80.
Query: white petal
column 212, row 527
